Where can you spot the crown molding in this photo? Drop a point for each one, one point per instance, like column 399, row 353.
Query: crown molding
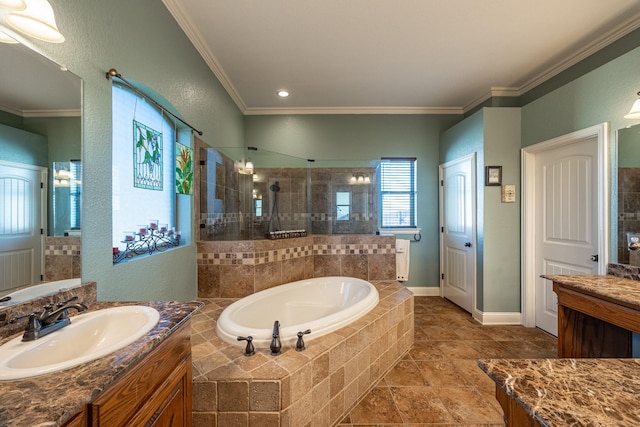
column 631, row 24
column 494, row 91
column 177, row 11
column 52, row 113
column 354, row 110
column 11, row 110
column 42, row 113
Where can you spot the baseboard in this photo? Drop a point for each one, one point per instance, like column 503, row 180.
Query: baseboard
column 423, row 291
column 498, row 318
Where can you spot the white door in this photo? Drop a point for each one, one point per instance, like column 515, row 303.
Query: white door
column 566, row 212
column 21, row 222
column 458, row 231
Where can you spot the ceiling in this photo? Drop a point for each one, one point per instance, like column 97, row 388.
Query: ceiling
column 403, row 56
column 33, row 86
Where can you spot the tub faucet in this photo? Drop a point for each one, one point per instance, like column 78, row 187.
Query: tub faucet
column 276, row 345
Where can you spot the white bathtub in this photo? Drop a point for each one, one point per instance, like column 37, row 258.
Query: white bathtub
column 36, row 291
column 322, row 304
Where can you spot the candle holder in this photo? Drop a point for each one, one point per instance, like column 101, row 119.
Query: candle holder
column 147, row 241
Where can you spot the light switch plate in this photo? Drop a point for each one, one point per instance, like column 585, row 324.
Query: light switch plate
column 508, row 193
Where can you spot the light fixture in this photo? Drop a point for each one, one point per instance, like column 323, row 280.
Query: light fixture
column 248, row 167
column 283, row 93
column 360, row 179
column 634, row 113
column 36, row 19
column 16, row 5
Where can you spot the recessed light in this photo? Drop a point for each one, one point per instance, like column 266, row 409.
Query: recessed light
column 283, row 93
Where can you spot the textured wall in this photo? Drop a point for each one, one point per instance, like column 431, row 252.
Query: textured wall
column 143, row 42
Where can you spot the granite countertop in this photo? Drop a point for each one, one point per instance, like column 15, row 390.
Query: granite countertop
column 52, row 399
column 611, row 288
column 572, row 392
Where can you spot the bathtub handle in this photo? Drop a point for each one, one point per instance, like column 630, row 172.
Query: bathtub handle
column 300, row 344
column 249, row 350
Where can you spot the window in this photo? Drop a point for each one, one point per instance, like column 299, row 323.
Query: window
column 135, row 207
column 343, row 205
column 76, row 193
column 398, row 193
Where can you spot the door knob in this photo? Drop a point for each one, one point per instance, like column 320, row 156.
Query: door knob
column 594, row 258
column 467, row 245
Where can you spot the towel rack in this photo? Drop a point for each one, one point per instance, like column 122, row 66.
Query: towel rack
column 417, row 236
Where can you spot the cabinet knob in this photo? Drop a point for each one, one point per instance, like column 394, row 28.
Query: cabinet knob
column 594, row 258
column 467, row 245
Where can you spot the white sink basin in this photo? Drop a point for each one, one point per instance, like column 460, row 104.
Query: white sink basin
column 90, row 336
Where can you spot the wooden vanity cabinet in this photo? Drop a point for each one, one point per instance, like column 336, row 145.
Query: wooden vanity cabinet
column 154, row 392
column 594, row 327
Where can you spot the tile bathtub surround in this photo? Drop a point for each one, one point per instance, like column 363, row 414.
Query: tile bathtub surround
column 62, row 258
column 239, row 268
column 316, row 387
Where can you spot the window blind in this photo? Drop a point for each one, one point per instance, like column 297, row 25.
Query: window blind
column 398, row 193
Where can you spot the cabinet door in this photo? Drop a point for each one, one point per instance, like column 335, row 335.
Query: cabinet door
column 169, row 406
column 79, row 420
column 143, row 393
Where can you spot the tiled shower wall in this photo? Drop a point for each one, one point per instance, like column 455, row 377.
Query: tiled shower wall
column 240, row 268
column 62, row 258
column 306, row 200
column 628, row 212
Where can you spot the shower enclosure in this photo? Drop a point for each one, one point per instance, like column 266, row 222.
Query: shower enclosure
column 244, row 194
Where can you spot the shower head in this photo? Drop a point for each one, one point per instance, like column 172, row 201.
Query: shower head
column 275, row 187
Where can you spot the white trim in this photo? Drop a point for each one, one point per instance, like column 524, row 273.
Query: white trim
column 424, row 291
column 176, row 9
column 528, row 157
column 353, row 110
column 52, row 113
column 498, row 318
column 631, row 24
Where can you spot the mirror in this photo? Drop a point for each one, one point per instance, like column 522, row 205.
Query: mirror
column 254, row 194
column 628, row 202
column 40, row 125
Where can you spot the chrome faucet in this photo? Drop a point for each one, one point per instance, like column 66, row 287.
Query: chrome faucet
column 43, row 323
column 276, row 345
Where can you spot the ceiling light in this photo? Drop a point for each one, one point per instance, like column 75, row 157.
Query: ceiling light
column 37, row 20
column 283, row 93
column 13, row 4
column 634, row 113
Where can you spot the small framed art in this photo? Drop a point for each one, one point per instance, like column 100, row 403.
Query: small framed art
column 493, row 175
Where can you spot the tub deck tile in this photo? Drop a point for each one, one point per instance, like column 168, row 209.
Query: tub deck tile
column 316, row 387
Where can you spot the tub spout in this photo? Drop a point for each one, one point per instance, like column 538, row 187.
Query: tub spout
column 276, row 345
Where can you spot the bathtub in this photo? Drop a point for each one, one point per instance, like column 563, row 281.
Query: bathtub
column 40, row 290
column 322, row 304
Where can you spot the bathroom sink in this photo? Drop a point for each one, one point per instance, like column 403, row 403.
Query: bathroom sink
column 90, row 336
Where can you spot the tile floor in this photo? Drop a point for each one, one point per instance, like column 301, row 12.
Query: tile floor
column 439, row 383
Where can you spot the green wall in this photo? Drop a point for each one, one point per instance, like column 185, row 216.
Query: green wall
column 369, row 137
column 20, row 146
column 501, row 248
column 494, row 135
column 144, row 43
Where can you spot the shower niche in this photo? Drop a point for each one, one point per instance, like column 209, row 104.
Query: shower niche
column 251, row 194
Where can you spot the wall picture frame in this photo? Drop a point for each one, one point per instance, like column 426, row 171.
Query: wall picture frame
column 493, row 176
